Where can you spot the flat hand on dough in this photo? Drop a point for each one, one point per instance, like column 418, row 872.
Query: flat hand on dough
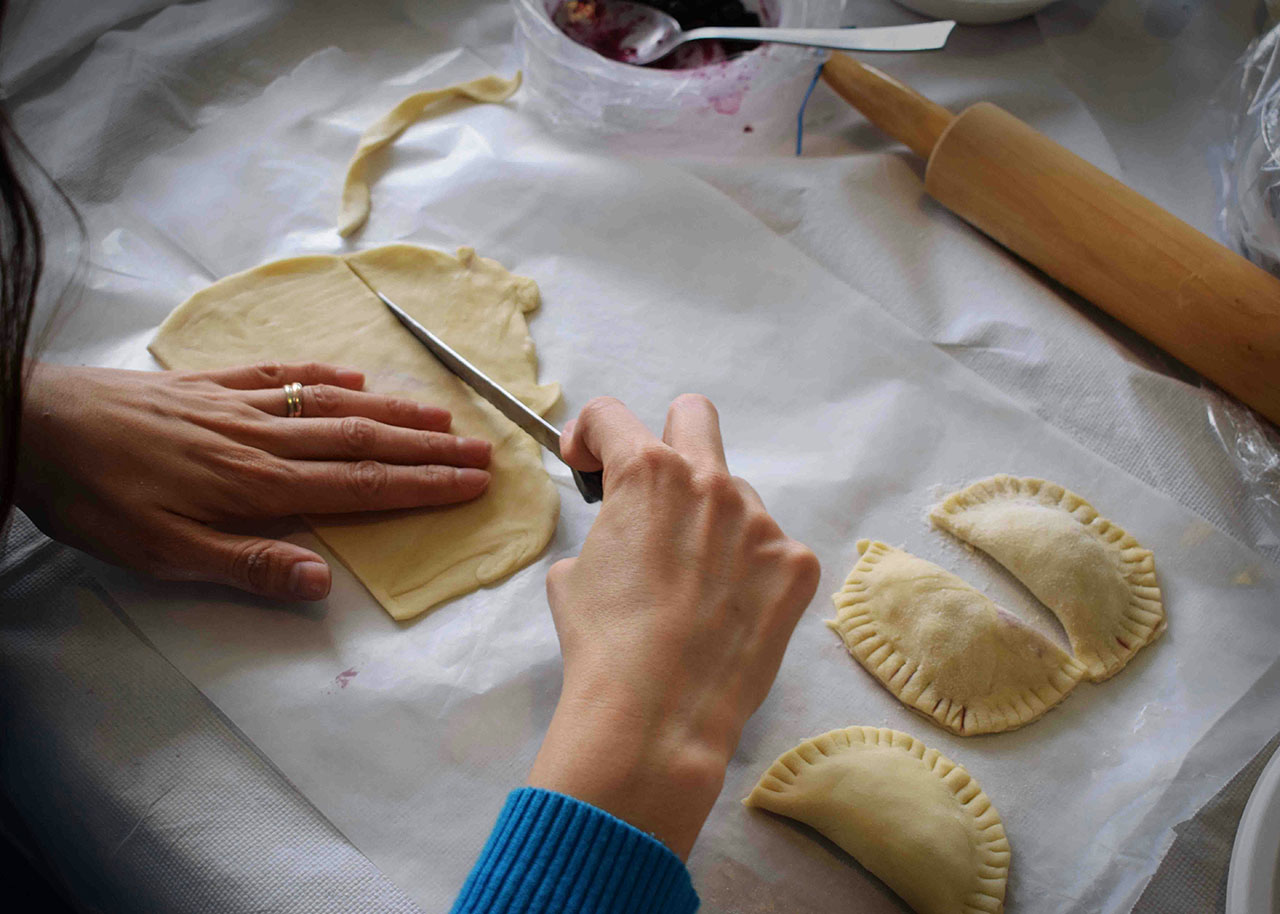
column 317, row 309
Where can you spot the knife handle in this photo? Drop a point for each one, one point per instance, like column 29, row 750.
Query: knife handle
column 591, row 485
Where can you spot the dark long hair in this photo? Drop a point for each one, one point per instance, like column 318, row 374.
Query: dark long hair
column 21, row 265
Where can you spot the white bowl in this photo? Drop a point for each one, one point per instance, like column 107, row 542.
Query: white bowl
column 977, row 12
column 1252, row 881
column 720, row 105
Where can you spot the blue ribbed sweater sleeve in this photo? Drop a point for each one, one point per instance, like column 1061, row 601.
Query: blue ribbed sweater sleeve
column 552, row 854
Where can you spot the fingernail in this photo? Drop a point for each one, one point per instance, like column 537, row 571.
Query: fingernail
column 567, row 432
column 309, row 580
column 471, row 479
column 475, row 450
column 435, row 414
column 350, row 377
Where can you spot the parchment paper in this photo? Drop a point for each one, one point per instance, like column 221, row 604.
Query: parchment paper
column 408, row 737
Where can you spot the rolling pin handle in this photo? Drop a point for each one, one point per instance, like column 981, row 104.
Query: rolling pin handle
column 1199, row 301
column 895, row 108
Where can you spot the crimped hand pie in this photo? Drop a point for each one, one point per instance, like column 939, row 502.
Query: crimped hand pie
column 1094, row 576
column 943, row 648
column 912, row 817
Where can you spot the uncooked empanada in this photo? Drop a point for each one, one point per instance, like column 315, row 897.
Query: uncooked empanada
column 1095, row 577
column 943, row 648
column 914, row 818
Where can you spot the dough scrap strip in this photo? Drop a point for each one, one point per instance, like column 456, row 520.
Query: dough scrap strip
column 355, row 188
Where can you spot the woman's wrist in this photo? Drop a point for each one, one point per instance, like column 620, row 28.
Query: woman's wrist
column 38, row 419
column 604, row 749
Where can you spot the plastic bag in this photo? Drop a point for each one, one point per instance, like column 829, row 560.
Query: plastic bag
column 747, row 100
column 1251, row 211
column 1251, row 223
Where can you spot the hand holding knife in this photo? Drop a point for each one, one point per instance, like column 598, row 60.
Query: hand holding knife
column 591, row 484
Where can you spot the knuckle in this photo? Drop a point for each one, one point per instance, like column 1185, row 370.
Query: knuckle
column 762, row 528
column 257, row 564
column 270, row 372
column 803, row 564
column 326, row 398
column 310, row 371
column 653, row 462
column 365, row 478
column 440, row 445
column 719, row 490
column 436, row 478
column 358, row 434
column 698, row 402
column 402, row 412
column 597, row 405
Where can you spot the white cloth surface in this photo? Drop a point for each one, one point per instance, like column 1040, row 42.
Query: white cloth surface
column 131, row 784
column 139, row 122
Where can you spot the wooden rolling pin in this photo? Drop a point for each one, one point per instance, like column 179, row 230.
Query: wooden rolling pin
column 1202, row 303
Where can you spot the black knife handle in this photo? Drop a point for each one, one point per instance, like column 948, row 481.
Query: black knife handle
column 591, row 485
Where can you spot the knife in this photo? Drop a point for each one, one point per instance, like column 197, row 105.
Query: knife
column 591, row 485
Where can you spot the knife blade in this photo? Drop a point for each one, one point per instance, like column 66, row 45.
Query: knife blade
column 591, row 485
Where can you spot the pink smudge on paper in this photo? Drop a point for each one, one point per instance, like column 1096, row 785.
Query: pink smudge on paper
column 727, row 104
column 345, row 677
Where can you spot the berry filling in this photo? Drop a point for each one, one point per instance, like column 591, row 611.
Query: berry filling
column 598, row 28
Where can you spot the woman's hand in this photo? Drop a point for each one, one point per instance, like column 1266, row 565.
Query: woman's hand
column 144, row 469
column 673, row 620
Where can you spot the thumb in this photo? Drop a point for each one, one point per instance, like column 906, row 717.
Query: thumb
column 271, row 568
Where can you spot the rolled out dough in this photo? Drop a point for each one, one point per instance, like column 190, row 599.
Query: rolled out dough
column 317, row 309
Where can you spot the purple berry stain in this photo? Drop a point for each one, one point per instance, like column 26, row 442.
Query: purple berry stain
column 345, row 677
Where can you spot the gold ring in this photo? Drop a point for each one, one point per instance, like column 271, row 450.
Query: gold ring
column 293, row 400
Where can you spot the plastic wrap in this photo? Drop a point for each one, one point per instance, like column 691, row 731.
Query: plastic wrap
column 1251, row 220
column 1251, row 214
column 1254, row 447
column 750, row 98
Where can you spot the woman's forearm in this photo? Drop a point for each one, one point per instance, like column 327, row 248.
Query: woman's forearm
column 672, row 623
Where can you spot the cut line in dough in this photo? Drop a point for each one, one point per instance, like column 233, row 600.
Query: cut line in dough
column 914, row 818
column 1097, row 579
column 317, row 309
column 943, row 648
column 355, row 188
